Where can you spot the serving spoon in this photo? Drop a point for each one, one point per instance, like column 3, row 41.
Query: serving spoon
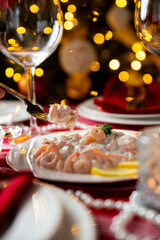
column 31, row 108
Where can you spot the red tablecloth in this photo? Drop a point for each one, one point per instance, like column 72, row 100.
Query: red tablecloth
column 103, row 217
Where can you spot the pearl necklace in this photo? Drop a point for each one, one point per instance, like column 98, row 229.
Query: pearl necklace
column 126, row 212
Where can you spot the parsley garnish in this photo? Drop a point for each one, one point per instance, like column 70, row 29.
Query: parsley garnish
column 106, row 128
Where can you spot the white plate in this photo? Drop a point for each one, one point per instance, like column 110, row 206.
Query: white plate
column 18, row 158
column 49, row 213
column 91, row 111
column 78, row 222
column 9, row 107
column 40, row 216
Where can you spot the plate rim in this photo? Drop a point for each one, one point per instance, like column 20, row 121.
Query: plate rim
column 84, row 107
column 27, row 204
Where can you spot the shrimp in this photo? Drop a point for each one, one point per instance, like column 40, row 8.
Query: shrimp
column 95, row 134
column 49, row 157
column 116, row 158
column 42, row 148
column 128, row 143
column 99, row 158
column 78, row 162
column 63, row 115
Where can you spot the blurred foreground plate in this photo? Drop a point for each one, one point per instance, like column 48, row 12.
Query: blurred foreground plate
column 49, row 213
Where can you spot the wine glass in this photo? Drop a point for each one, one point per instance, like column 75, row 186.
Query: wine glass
column 30, row 31
column 147, row 24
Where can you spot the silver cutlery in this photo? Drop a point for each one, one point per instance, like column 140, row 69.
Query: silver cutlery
column 31, row 108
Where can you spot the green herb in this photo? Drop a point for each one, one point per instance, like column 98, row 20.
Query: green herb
column 106, row 128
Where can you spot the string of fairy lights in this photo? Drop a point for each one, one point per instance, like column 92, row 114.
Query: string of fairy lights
column 70, row 21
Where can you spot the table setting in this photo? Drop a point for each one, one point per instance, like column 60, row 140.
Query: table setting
column 76, row 171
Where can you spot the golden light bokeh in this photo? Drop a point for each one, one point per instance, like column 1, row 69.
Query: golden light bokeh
column 114, row 64
column 123, row 76
column 55, row 2
column 147, row 78
column 128, row 99
column 108, row 35
column 39, row 72
column 9, row 72
column 35, row 48
column 17, row 77
column 139, row 4
column 94, row 19
column 121, row 3
column 136, row 47
column 64, row 102
column 136, row 65
column 94, row 66
column 34, row 8
column 94, row 93
column 68, row 25
column 11, row 41
column 64, row 1
column 21, row 30
column 47, row 30
column 74, row 21
column 68, row 16
column 71, row 8
column 98, row 38
column 95, row 13
column 140, row 55
column 11, row 49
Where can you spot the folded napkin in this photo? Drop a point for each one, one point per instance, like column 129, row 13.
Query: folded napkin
column 11, row 197
column 115, row 94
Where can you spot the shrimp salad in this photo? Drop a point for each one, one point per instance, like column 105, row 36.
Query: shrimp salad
column 76, row 153
column 62, row 115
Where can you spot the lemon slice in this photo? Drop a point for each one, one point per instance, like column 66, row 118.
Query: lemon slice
column 114, row 172
column 129, row 164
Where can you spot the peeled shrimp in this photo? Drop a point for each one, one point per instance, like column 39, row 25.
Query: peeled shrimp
column 95, row 134
column 99, row 158
column 49, row 157
column 128, row 143
column 78, row 162
column 63, row 115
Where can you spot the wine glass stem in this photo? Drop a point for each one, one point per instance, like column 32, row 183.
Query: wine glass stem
column 30, row 72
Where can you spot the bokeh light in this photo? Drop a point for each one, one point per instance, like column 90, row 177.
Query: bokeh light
column 123, row 76
column 136, row 47
column 9, row 72
column 108, row 35
column 147, row 78
column 114, row 64
column 34, row 8
column 39, row 72
column 95, row 66
column 68, row 16
column 21, row 30
column 17, row 77
column 11, row 41
column 136, row 65
column 71, row 8
column 68, row 25
column 98, row 38
column 121, row 3
column 94, row 93
column 47, row 30
column 140, row 55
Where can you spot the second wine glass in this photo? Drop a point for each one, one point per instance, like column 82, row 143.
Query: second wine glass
column 30, row 31
column 147, row 24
